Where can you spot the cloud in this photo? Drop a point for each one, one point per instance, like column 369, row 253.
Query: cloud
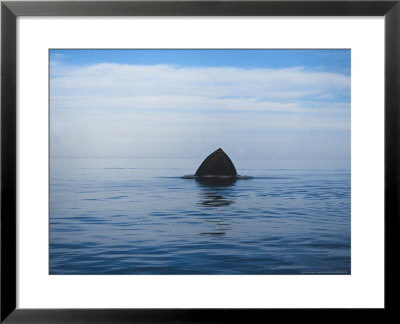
column 100, row 110
column 117, row 81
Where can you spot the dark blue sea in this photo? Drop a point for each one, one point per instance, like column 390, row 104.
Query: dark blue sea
column 110, row 216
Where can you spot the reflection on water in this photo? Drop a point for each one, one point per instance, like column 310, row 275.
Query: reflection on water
column 218, row 226
column 214, row 191
column 221, row 226
column 213, row 199
column 214, row 194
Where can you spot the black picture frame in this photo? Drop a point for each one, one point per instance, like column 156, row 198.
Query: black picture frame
column 10, row 10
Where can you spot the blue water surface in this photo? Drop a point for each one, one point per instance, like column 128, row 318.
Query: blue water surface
column 110, row 216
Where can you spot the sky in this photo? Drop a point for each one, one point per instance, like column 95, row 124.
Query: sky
column 254, row 104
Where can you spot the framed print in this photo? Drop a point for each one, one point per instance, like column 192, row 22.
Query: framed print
column 190, row 161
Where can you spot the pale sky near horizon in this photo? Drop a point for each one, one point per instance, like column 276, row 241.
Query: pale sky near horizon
column 255, row 104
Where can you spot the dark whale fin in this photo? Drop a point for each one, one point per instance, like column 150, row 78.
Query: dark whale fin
column 217, row 163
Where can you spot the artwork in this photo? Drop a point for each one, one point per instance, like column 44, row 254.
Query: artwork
column 200, row 161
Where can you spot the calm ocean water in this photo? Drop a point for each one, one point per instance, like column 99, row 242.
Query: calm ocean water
column 140, row 217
